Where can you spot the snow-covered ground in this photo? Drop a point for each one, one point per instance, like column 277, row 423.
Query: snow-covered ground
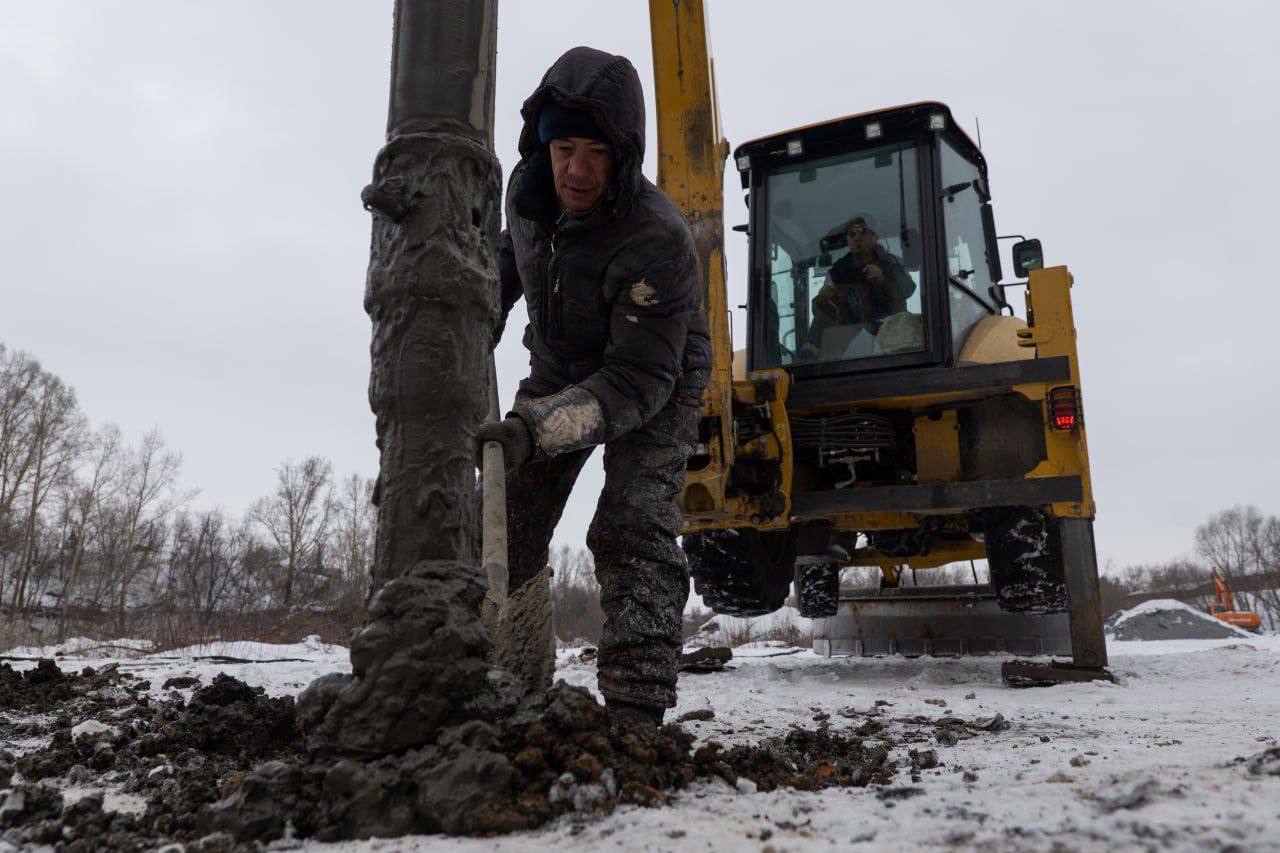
column 720, row 629
column 1145, row 764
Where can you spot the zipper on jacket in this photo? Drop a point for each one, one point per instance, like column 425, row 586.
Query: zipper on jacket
column 551, row 301
column 547, row 296
column 556, row 307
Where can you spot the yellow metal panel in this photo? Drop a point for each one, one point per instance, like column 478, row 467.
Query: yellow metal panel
column 1053, row 333
column 993, row 339
column 937, row 448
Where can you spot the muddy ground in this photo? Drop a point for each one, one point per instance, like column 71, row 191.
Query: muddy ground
column 562, row 758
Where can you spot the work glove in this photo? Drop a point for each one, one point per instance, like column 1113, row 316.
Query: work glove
column 512, row 434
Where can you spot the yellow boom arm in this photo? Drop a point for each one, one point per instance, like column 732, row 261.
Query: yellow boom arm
column 691, row 155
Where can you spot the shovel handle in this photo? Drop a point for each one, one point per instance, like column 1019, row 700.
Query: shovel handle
column 494, row 504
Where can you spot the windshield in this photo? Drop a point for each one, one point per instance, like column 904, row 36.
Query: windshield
column 844, row 256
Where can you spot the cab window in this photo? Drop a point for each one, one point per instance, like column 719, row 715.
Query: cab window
column 844, row 258
column 968, row 268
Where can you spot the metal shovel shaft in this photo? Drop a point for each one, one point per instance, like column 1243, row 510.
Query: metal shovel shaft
column 494, row 505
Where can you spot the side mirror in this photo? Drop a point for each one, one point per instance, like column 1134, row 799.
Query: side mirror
column 1027, row 256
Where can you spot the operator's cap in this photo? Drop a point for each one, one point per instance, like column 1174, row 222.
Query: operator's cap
column 557, row 121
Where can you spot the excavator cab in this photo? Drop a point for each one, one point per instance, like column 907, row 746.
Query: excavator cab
column 893, row 412
column 873, row 246
column 889, row 413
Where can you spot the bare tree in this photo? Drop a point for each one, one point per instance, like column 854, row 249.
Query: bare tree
column 55, row 436
column 575, row 595
column 19, row 377
column 205, row 566
column 84, row 501
column 354, row 527
column 148, row 495
column 41, row 430
column 296, row 519
column 1241, row 543
column 1269, row 565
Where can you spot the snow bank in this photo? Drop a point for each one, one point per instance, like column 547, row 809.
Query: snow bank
column 84, row 648
column 310, row 649
column 1167, row 619
column 784, row 624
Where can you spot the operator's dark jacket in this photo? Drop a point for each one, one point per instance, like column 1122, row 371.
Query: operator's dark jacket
column 615, row 319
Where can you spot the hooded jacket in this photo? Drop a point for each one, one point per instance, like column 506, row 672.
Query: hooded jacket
column 614, row 296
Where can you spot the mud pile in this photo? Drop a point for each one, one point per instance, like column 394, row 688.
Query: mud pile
column 1167, row 619
column 35, row 687
column 199, row 765
column 105, row 729
column 802, row 759
column 562, row 754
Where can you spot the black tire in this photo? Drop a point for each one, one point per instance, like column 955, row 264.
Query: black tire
column 741, row 572
column 1024, row 550
column 817, row 590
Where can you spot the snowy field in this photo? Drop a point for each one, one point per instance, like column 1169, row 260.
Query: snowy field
column 1150, row 763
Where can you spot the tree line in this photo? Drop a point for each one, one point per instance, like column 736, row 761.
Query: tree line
column 1242, row 543
column 98, row 536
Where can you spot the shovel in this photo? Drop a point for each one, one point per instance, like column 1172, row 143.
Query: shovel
column 493, row 516
column 522, row 626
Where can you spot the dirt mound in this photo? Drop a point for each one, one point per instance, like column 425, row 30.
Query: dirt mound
column 1167, row 619
column 35, row 686
column 562, row 754
column 228, row 768
column 105, row 728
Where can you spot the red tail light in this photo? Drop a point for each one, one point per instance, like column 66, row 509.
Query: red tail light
column 1064, row 408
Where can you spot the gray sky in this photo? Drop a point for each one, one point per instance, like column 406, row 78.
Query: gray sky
column 181, row 235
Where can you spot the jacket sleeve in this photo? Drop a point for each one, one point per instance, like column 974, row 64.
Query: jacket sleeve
column 509, row 287
column 648, row 327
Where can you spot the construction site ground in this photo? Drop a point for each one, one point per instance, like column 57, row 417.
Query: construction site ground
column 1183, row 753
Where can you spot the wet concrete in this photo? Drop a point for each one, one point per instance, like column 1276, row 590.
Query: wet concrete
column 420, row 661
column 524, row 641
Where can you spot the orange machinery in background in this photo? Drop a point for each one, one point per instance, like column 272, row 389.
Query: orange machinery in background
column 1224, row 608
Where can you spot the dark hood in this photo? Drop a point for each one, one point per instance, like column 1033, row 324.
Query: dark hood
column 607, row 87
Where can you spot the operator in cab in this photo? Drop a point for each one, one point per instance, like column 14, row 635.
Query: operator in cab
column 619, row 356
column 865, row 286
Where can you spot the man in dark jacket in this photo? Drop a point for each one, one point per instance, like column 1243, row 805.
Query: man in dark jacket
column 866, row 285
column 619, row 356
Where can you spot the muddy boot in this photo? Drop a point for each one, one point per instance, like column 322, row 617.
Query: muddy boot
column 646, row 715
column 524, row 641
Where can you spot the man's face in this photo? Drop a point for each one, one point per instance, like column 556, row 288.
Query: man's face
column 583, row 170
column 861, row 237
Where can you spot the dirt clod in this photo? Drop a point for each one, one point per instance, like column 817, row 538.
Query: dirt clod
column 698, row 715
column 1265, row 763
column 708, row 659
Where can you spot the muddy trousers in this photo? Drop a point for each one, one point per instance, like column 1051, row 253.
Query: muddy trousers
column 643, row 577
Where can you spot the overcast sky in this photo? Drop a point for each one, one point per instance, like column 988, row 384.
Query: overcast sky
column 181, row 236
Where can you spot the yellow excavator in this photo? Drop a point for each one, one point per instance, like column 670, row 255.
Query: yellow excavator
column 889, row 409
